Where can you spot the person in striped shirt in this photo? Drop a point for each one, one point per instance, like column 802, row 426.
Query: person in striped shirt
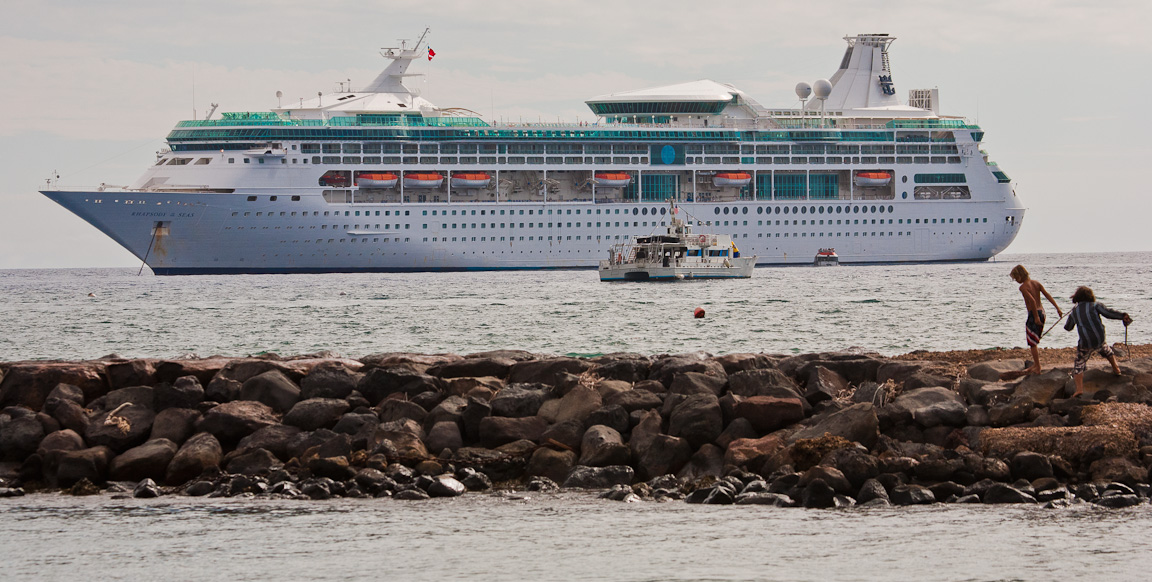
column 1085, row 317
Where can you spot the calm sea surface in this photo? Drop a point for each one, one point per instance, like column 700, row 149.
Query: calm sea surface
column 570, row 536
column 47, row 314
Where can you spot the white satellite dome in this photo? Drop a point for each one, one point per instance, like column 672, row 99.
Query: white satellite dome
column 803, row 90
column 822, row 88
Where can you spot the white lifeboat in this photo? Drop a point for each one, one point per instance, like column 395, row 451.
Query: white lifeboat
column 731, row 179
column 471, row 180
column 423, row 180
column 613, row 179
column 873, row 179
column 377, row 180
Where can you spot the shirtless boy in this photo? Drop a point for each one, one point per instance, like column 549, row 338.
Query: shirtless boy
column 1034, row 326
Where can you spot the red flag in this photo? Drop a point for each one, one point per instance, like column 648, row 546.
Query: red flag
column 431, row 53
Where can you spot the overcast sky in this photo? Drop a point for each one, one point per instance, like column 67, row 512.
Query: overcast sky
column 90, row 89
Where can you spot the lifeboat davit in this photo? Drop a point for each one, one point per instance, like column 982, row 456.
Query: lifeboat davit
column 731, row 179
column 377, row 180
column 471, row 180
column 423, row 180
column 613, row 179
column 873, row 178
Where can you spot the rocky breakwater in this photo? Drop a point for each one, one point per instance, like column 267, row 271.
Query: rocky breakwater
column 813, row 430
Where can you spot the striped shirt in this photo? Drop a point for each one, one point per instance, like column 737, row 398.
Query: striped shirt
column 1085, row 317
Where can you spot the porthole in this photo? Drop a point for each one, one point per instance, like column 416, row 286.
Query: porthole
column 726, row 209
column 889, row 209
column 777, row 210
column 881, row 210
column 904, row 179
column 663, row 211
column 904, row 195
column 644, row 211
column 786, row 210
column 744, row 210
column 759, row 210
column 803, row 210
column 873, row 209
column 716, row 210
column 855, row 210
column 635, row 211
column 821, row 210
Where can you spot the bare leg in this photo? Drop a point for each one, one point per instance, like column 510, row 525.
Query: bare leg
column 1079, row 384
column 1115, row 366
column 1035, row 369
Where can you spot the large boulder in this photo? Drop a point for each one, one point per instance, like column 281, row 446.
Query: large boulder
column 175, row 424
column 253, row 462
column 19, row 438
column 378, row 383
column 399, row 443
column 577, row 404
column 519, row 400
column 930, row 407
column 599, row 477
column 275, row 438
column 752, row 452
column 90, row 464
column 707, row 461
column 232, row 421
column 499, row 430
column 185, row 392
column 856, row 423
column 763, row 382
column 548, row 371
column 451, row 409
column 473, row 367
column 550, row 463
column 698, row 419
column 329, row 380
column 138, row 395
column 147, row 461
column 272, row 388
column 854, row 368
column 398, row 409
column 697, row 383
column 629, row 369
column 444, row 435
column 28, row 384
column 121, row 428
column 823, row 384
column 198, row 453
column 662, row 455
column 665, row 369
column 602, row 446
column 1040, row 389
column 991, row 370
column 168, row 371
column 131, row 373
column 768, row 413
column 632, row 400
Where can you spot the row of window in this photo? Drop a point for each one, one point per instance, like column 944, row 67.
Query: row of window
column 596, row 160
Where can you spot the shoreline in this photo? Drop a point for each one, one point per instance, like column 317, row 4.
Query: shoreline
column 811, row 430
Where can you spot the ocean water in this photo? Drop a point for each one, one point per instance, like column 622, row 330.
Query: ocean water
column 566, row 536
column 890, row 309
column 572, row 535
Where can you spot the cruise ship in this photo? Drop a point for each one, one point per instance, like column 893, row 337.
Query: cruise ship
column 381, row 179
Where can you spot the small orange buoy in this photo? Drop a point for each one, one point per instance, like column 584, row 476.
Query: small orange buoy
column 698, row 313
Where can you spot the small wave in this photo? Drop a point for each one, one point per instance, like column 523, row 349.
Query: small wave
column 866, row 301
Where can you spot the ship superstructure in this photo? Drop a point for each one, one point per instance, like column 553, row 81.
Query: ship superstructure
column 381, row 179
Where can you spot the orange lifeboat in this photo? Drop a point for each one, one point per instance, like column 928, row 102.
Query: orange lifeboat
column 613, row 179
column 423, row 180
column 377, row 180
column 873, row 179
column 731, row 179
column 471, row 180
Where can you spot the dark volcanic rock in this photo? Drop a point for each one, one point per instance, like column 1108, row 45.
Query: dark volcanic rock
column 444, row 435
column 378, row 383
column 146, row 489
column 548, row 371
column 1030, row 466
column 254, row 462
column 817, row 495
column 143, row 396
column 689, row 383
column 398, row 409
column 625, row 369
column 634, row 399
column 519, row 400
column 930, row 407
column 1001, row 493
column 665, row 369
column 131, row 373
column 121, row 428
column 567, row 434
column 29, row 384
column 450, row 409
column 19, row 438
column 329, row 380
column 473, row 368
column 175, row 424
column 185, row 392
column 232, row 421
column 149, row 460
column 856, row 423
column 272, row 388
column 911, row 495
column 199, row 452
column 275, row 438
column 602, row 447
column 872, row 489
column 823, row 384
column 599, row 477
column 697, row 419
column 86, row 464
column 498, row 430
column 446, row 486
column 763, row 382
column 767, row 413
column 612, row 416
column 316, row 413
column 550, row 463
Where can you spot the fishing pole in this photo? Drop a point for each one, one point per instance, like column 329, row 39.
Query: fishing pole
column 1062, row 316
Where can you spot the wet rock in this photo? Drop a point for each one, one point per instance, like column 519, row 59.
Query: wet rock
column 612, row 416
column 199, row 452
column 175, row 424
column 473, row 367
column 29, row 384
column 620, row 493
column 830, row 476
column 272, row 388
column 1030, row 466
column 446, row 486
column 6, row 492
column 768, row 413
column 86, row 464
column 185, row 392
column 474, row 480
column 946, row 490
column 936, row 470
column 599, row 477
column 854, row 463
column 316, row 413
column 541, row 484
column 1118, row 501
column 519, row 400
column 84, row 487
column 753, row 452
column 1002, row 493
column 335, row 468
column 550, row 463
column 764, row 498
column 232, row 421
column 147, row 461
column 329, row 380
column 707, row 461
column 19, row 438
column 818, row 495
column 547, row 371
column 146, row 489
column 602, row 446
column 910, row 494
column 254, row 462
column 274, row 438
column 1117, row 469
column 856, row 423
column 498, row 430
column 872, row 489
column 121, row 428
column 664, row 454
column 697, row 419
column 444, row 435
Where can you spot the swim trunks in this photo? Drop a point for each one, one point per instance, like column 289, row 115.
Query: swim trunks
column 1033, row 328
column 1082, row 355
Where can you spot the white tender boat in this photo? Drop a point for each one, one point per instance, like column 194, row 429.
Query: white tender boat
column 827, row 258
column 679, row 254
